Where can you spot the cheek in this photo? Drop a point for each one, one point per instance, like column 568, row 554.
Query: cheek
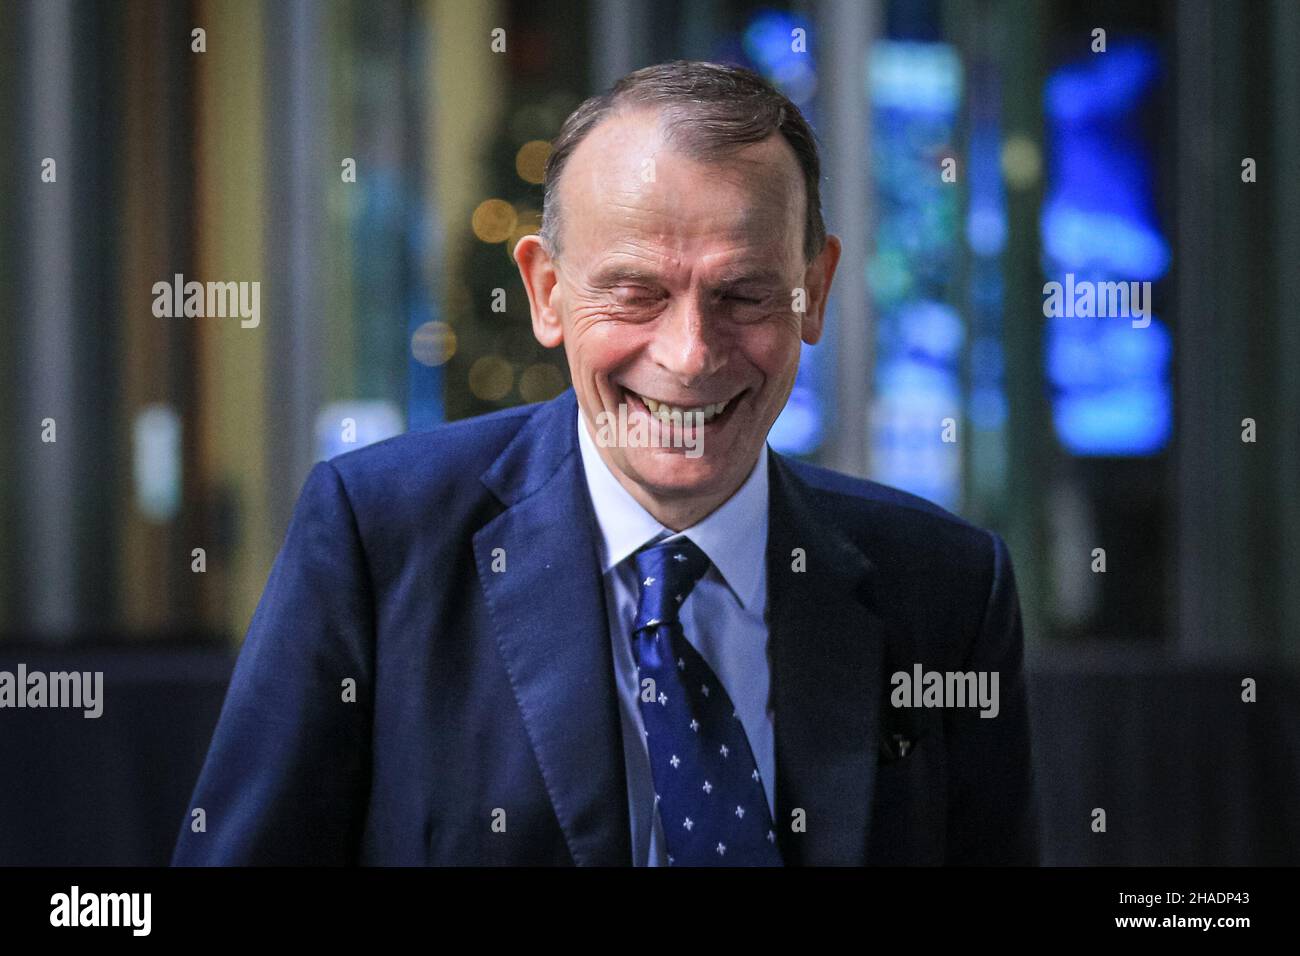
column 774, row 346
column 603, row 346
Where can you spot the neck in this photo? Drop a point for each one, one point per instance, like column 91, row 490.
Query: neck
column 678, row 512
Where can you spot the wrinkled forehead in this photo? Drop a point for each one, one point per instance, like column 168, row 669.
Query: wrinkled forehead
column 629, row 186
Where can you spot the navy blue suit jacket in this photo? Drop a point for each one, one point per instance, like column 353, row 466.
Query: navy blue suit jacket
column 480, row 690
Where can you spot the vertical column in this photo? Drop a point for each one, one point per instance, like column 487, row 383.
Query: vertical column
column 230, row 360
column 1031, row 442
column 12, row 426
column 1286, row 313
column 299, row 173
column 47, row 560
column 848, row 30
column 152, row 553
column 1209, row 472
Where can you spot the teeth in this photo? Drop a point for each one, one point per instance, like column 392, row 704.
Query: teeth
column 666, row 413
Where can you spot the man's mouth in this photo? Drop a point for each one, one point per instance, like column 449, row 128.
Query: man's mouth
column 668, row 412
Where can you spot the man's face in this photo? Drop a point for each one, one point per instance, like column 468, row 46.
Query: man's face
column 676, row 285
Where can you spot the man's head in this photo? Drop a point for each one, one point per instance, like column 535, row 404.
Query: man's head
column 682, row 259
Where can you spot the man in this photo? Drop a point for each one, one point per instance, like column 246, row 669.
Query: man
column 531, row 638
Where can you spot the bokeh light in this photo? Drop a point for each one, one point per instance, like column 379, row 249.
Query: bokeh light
column 530, row 161
column 433, row 343
column 529, row 223
column 1022, row 161
column 491, row 377
column 541, row 382
column 494, row 220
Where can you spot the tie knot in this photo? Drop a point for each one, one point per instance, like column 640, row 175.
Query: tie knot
column 666, row 573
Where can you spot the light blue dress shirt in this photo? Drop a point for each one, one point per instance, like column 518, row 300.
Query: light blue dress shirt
column 722, row 617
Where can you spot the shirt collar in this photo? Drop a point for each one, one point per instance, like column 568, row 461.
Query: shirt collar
column 732, row 535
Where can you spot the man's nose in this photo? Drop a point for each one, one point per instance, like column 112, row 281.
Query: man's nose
column 687, row 342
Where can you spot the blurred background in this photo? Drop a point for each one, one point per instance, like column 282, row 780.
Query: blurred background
column 372, row 162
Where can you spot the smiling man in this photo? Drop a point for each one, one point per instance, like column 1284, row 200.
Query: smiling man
column 525, row 639
column 684, row 246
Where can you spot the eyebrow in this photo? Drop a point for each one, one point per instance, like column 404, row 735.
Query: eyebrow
column 746, row 276
column 618, row 275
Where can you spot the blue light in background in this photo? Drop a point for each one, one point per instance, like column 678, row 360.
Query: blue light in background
column 768, row 42
column 370, row 421
column 916, row 91
column 1123, row 419
column 986, row 222
column 1086, row 353
column 1100, row 209
column 916, row 77
column 1110, row 381
column 1078, row 240
column 1103, row 86
column 930, row 330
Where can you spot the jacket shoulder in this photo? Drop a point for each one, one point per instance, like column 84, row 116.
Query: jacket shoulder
column 428, row 465
column 453, row 450
column 876, row 516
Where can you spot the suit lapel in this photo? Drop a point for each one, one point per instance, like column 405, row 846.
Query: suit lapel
column 548, row 613
column 826, row 652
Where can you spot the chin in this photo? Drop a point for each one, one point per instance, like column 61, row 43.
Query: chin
column 673, row 474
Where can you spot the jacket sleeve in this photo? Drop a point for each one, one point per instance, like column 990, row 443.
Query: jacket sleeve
column 992, row 806
column 287, row 773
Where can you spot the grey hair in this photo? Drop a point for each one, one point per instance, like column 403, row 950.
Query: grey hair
column 708, row 110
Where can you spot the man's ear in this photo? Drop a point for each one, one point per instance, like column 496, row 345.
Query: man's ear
column 541, row 281
column 817, row 280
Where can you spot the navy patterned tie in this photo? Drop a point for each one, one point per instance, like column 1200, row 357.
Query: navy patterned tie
column 708, row 790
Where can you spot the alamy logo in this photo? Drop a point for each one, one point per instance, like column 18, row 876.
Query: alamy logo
column 75, row 908
column 78, row 689
column 209, row 300
column 664, row 429
column 922, row 688
column 1085, row 299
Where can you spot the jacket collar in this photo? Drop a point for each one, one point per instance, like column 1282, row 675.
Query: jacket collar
column 548, row 612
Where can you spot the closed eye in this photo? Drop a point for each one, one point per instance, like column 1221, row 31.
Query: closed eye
column 745, row 297
column 632, row 294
